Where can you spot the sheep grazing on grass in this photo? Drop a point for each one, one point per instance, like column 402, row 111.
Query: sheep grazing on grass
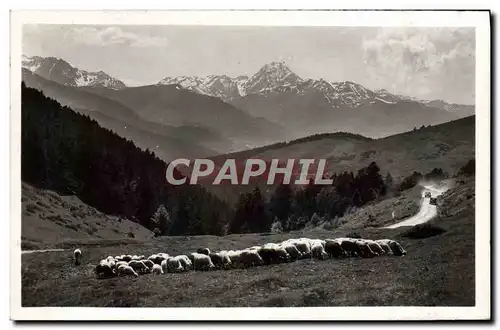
column 303, row 245
column 201, row 261
column 385, row 246
column 185, row 262
column 318, row 249
column 272, row 253
column 375, row 247
column 172, row 265
column 126, row 258
column 139, row 266
column 203, row 250
column 126, row 271
column 220, row 259
column 121, row 263
column 104, row 270
column 77, row 254
column 148, row 263
column 235, row 257
column 334, row 249
column 292, row 250
column 158, row 258
column 350, row 246
column 366, row 251
column 396, row 248
column 250, row 258
column 157, row 269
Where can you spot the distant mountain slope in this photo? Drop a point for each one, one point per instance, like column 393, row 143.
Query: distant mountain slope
column 62, row 72
column 448, row 146
column 48, row 217
column 173, row 105
column 167, row 142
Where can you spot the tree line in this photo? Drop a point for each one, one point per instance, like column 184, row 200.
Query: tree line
column 70, row 153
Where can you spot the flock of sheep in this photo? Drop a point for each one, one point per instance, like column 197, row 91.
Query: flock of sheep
column 270, row 253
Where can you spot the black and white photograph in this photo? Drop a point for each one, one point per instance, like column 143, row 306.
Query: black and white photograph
column 176, row 161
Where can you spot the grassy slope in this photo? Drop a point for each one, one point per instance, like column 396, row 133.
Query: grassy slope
column 49, row 219
column 437, row 271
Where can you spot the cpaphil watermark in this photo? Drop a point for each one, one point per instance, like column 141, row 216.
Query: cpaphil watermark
column 242, row 172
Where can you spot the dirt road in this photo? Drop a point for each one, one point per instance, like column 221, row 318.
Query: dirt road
column 427, row 211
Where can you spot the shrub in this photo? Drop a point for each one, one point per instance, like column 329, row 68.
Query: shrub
column 423, row 231
column 276, row 227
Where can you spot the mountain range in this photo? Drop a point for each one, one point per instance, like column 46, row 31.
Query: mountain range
column 218, row 114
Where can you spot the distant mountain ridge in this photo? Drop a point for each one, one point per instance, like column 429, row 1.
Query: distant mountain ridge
column 277, row 77
column 62, row 72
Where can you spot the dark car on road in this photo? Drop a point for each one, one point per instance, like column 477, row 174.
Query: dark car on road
column 433, row 201
column 428, row 194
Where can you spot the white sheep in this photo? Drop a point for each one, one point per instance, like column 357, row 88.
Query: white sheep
column 185, row 262
column 148, row 263
column 139, row 266
column 250, row 258
column 291, row 250
column 235, row 257
column 126, row 270
column 77, row 256
column 103, row 269
column 173, row 265
column 396, row 248
column 157, row 269
column 318, row 249
column 201, row 261
column 375, row 247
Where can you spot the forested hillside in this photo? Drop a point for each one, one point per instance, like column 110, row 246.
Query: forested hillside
column 71, row 154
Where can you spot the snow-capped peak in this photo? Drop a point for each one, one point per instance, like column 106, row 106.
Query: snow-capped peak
column 62, row 72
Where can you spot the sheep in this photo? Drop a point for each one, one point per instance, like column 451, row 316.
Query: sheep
column 302, row 245
column 350, row 246
column 396, row 248
column 104, row 270
column 291, row 250
column 139, row 266
column 250, row 258
column 111, row 262
column 120, row 263
column 172, row 265
column 158, row 258
column 77, row 256
column 235, row 258
column 273, row 253
column 217, row 259
column 157, row 269
column 185, row 262
column 203, row 250
column 375, row 247
column 334, row 249
column 148, row 263
column 318, row 250
column 385, row 247
column 126, row 270
column 164, row 265
column 365, row 250
column 201, row 261
column 138, row 258
column 126, row 258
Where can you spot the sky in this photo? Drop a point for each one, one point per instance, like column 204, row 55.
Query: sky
column 427, row 63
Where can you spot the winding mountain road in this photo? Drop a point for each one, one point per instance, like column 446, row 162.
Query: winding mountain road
column 427, row 211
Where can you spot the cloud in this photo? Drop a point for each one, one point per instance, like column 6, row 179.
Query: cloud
column 96, row 36
column 420, row 61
